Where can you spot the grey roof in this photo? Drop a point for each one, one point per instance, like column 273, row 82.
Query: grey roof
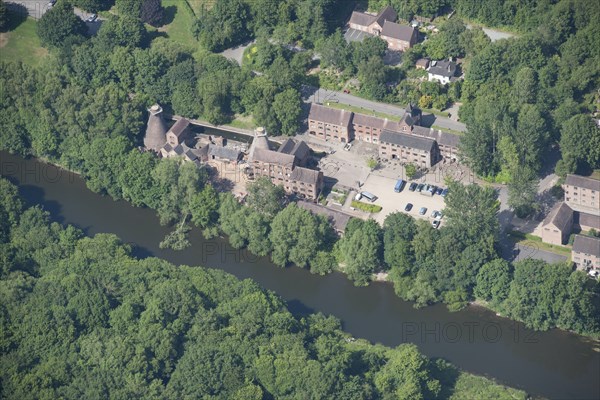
column 443, row 138
column 305, row 175
column 201, row 153
column 362, row 19
column 387, row 14
column 224, row 152
column 273, row 157
column 583, row 182
column 329, row 115
column 423, row 62
column 337, row 218
column 411, row 141
column 591, row 220
column 587, row 245
column 167, row 147
column 156, row 130
column 179, row 150
column 179, row 127
column 408, row 119
column 298, row 149
column 442, row 68
column 397, row 31
column 259, row 142
column 559, row 216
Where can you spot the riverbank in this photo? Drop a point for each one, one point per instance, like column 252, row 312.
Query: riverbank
column 553, row 364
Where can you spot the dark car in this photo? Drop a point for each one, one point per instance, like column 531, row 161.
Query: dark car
column 412, row 187
column 432, row 189
column 91, row 18
column 408, row 207
column 435, row 224
column 439, row 191
column 444, row 192
column 420, row 187
column 423, row 210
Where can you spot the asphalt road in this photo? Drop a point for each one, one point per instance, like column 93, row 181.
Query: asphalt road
column 324, row 95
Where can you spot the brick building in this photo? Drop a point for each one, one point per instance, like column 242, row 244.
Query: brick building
column 329, row 123
column 586, row 252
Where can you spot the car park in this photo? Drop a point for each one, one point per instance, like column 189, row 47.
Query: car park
column 435, row 223
column 408, row 207
column 423, row 210
column 413, row 186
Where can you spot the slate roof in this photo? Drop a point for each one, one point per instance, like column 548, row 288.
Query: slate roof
column 443, row 138
column 442, row 68
column 587, row 245
column 329, row 115
column 180, row 126
column 309, row 176
column 397, row 31
column 224, row 152
column 591, row 220
column 411, row 141
column 387, row 14
column 583, row 182
column 298, row 149
column 559, row 216
column 337, row 218
column 360, row 18
column 273, row 157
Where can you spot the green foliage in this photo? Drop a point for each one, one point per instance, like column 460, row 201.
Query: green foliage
column 579, row 143
column 58, row 23
column 287, row 109
column 265, row 197
column 3, row 16
column 493, row 281
column 410, row 170
column 366, row 207
column 224, row 25
column 361, row 250
column 323, row 263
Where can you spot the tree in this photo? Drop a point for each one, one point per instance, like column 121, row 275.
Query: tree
column 398, row 232
column 287, row 109
column 334, row 51
column 3, row 15
column 123, row 31
column 579, row 144
column 323, row 263
column 372, row 163
column 205, row 206
column 410, row 170
column 361, row 251
column 265, row 197
column 151, row 12
column 522, row 191
column 58, row 23
column 493, row 280
column 371, row 74
column 472, row 211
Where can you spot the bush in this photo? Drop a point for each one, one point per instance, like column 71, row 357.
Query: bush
column 370, row 208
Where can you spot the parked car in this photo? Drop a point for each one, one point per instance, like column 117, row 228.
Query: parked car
column 420, row 187
column 439, row 191
column 444, row 192
column 439, row 215
column 432, row 189
column 435, row 223
column 408, row 207
column 423, row 210
column 434, row 214
column 91, row 18
column 51, row 3
column 348, row 146
column 412, row 186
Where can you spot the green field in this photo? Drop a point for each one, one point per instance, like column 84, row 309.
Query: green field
column 360, row 110
column 180, row 28
column 21, row 43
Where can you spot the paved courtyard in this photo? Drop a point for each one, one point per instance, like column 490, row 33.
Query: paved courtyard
column 354, row 35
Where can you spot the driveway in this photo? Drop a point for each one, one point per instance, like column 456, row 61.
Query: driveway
column 237, row 53
column 494, row 34
column 35, row 8
column 322, row 96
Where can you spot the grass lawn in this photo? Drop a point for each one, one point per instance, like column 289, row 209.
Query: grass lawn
column 180, row 23
column 448, row 130
column 21, row 43
column 242, row 122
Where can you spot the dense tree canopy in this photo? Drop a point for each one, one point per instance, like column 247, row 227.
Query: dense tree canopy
column 59, row 23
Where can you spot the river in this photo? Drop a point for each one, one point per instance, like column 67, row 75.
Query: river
column 554, row 364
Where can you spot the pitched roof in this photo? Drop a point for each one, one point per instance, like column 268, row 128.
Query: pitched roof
column 273, row 157
column 443, row 138
column 583, row 182
column 298, row 149
column 387, row 14
column 442, row 68
column 224, row 152
column 591, row 220
column 337, row 218
column 360, row 18
column 559, row 216
column 397, row 31
column 179, row 127
column 411, row 141
column 587, row 245
column 329, row 115
column 422, row 62
column 305, row 175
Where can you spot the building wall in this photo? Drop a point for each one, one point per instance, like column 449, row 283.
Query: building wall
column 366, row 133
column 585, row 261
column 280, row 175
column 441, row 79
column 552, row 235
column 328, row 131
column 398, row 153
column 582, row 197
column 448, row 152
column 396, row 44
column 172, row 139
